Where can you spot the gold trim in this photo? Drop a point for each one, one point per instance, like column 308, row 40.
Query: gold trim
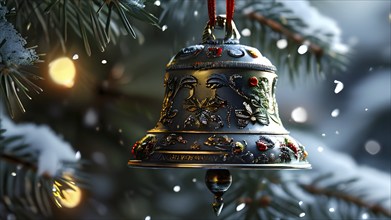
column 155, row 131
column 190, row 152
column 140, row 164
column 221, row 64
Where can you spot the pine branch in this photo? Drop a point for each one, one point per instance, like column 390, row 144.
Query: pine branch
column 23, row 192
column 15, row 160
column 278, row 195
column 374, row 208
column 305, row 47
column 52, row 17
column 14, row 58
column 348, row 194
column 279, row 28
column 272, row 22
column 99, row 19
column 263, row 198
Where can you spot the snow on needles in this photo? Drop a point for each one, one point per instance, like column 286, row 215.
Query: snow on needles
column 12, row 50
column 323, row 27
column 52, row 151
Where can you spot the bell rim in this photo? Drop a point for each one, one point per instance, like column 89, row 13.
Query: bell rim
column 297, row 166
column 221, row 65
column 160, row 131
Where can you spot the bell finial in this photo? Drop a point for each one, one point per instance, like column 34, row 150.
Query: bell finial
column 218, row 182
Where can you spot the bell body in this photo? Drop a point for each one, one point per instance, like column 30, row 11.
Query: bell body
column 219, row 111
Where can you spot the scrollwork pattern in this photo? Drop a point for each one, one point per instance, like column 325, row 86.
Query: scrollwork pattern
column 172, row 139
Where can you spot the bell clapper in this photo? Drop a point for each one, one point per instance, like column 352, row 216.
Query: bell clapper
column 218, row 182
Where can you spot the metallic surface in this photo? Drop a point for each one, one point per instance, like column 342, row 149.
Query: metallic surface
column 219, row 111
column 218, row 182
column 140, row 164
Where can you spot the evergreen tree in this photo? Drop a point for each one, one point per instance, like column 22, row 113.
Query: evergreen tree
column 116, row 95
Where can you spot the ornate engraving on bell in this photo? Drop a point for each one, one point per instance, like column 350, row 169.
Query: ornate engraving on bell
column 219, row 111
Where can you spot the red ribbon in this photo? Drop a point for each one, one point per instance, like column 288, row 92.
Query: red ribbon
column 212, row 11
column 230, row 11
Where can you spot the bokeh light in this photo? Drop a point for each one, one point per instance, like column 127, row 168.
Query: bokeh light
column 246, row 32
column 282, row 43
column 176, row 188
column 63, row 71
column 372, row 147
column 66, row 196
column 302, row 49
column 299, row 115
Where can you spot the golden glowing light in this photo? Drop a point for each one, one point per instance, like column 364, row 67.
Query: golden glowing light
column 68, row 196
column 63, row 71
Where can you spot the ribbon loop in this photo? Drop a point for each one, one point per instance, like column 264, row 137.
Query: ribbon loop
column 229, row 27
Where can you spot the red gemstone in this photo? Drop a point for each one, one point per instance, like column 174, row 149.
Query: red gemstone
column 219, row 51
column 253, row 81
column 261, row 146
column 215, row 51
column 134, row 148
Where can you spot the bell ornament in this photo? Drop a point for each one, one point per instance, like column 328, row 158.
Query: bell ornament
column 219, row 111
